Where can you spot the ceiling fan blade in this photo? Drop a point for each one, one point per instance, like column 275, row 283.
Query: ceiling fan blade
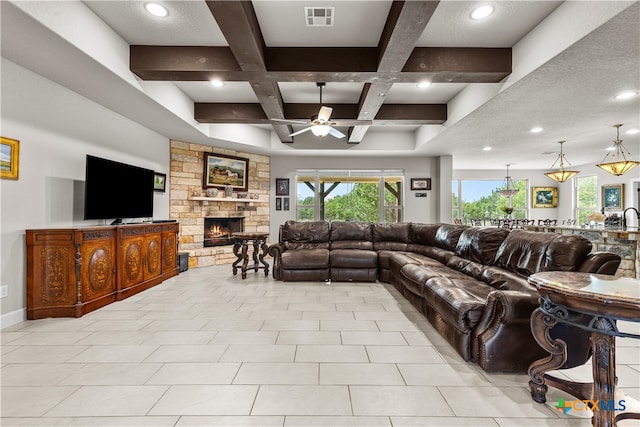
column 290, row 121
column 336, row 133
column 325, row 113
column 300, row 131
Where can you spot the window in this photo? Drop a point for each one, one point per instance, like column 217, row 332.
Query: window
column 349, row 195
column 478, row 201
column 586, row 197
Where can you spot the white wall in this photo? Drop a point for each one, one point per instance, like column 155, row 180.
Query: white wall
column 56, row 129
column 425, row 210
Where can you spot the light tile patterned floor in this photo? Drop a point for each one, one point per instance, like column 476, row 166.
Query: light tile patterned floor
column 209, row 349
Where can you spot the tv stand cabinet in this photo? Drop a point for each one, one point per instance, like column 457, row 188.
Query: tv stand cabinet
column 73, row 271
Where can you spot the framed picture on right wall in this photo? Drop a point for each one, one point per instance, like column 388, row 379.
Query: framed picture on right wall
column 613, row 197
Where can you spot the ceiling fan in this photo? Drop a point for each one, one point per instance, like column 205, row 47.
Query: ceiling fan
column 320, row 124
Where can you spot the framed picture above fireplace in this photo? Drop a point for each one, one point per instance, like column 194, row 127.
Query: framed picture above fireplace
column 221, row 171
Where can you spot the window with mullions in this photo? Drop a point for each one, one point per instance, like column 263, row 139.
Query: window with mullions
column 586, row 197
column 478, row 200
column 369, row 196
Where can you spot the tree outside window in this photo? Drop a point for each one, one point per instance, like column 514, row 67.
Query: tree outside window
column 586, row 197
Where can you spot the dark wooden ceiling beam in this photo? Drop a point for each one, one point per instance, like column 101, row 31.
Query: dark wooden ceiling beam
column 239, row 25
column 445, row 65
column 405, row 23
column 342, row 115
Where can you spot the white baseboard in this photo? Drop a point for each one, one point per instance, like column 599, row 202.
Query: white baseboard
column 12, row 318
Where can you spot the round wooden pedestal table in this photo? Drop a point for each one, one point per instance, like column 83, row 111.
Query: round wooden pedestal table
column 241, row 251
column 594, row 303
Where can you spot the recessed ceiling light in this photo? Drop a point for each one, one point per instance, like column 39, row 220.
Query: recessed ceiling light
column 626, row 95
column 156, row 9
column 486, row 148
column 482, row 12
column 536, row 129
column 216, row 83
column 424, row 85
column 633, row 131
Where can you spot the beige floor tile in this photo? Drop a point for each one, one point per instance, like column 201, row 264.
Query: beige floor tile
column 416, row 338
column 398, row 401
column 36, row 422
column 547, row 422
column 331, row 421
column 34, row 354
column 259, row 353
column 61, row 324
column 50, row 338
column 312, row 307
column 231, row 421
column 187, row 353
column 375, row 307
column 403, row 354
column 442, row 422
column 302, row 400
column 373, row 338
column 245, row 337
column 327, row 315
column 308, row 337
column 206, row 400
column 7, row 337
column 108, row 401
column 117, row 325
column 174, row 315
column 114, row 354
column 331, row 353
column 175, row 325
column 232, row 325
column 124, row 421
column 224, row 315
column 116, row 315
column 264, row 307
column 441, row 374
column 291, row 325
column 277, row 373
column 195, row 373
column 342, row 300
column 179, row 337
column 31, row 401
column 396, row 325
column 360, row 374
column 112, row 374
column 275, row 315
column 493, row 402
column 379, row 315
column 31, row 374
column 115, row 338
column 348, row 325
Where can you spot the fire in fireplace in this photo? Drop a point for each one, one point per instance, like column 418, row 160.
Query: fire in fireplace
column 217, row 231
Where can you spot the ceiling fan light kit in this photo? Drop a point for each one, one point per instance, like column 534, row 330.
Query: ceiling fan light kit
column 561, row 175
column 320, row 124
column 618, row 164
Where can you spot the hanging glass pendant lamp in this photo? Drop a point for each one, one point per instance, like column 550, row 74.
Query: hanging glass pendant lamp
column 561, row 175
column 618, row 164
column 508, row 188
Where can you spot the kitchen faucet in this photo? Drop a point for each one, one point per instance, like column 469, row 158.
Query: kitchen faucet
column 624, row 216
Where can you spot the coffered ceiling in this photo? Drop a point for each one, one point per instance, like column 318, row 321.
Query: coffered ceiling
column 557, row 65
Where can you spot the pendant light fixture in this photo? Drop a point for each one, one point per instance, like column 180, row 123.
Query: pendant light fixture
column 561, row 175
column 618, row 164
column 508, row 188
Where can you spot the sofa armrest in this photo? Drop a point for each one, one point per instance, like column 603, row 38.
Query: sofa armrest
column 601, row 263
column 276, row 251
column 502, row 341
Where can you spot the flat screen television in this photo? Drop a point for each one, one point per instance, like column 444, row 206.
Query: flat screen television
column 115, row 190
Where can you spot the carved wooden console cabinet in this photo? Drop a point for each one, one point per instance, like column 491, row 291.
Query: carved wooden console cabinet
column 73, row 271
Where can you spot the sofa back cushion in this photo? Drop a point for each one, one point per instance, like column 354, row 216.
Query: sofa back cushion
column 447, row 236
column 305, row 235
column 351, row 235
column 392, row 237
column 423, row 234
column 529, row 252
column 480, row 244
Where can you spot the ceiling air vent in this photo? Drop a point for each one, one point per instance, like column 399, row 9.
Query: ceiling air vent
column 319, row 16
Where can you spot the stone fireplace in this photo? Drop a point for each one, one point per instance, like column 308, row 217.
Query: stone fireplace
column 192, row 209
column 217, row 231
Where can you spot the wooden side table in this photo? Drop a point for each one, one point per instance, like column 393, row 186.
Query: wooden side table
column 241, row 250
column 592, row 302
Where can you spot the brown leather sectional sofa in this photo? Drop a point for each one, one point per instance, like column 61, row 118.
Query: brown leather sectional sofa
column 469, row 282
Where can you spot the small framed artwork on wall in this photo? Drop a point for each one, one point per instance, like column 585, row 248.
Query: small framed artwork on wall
column 285, row 203
column 544, row 197
column 613, row 197
column 421, row 183
column 278, row 203
column 282, row 186
column 9, row 157
column 159, row 182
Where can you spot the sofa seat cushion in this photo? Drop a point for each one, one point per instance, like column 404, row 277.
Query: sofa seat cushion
column 459, row 302
column 302, row 259
column 414, row 276
column 353, row 258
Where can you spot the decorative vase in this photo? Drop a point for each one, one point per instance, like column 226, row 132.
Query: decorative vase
column 228, row 190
